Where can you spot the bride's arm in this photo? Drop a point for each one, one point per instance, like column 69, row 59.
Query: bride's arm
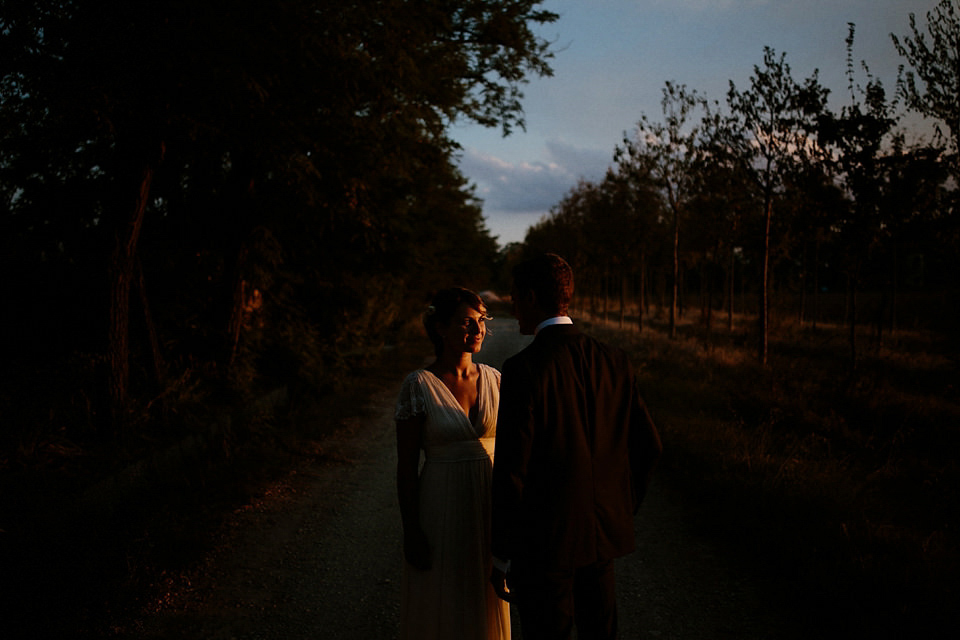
column 415, row 547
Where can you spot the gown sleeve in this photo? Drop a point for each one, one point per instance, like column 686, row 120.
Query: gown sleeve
column 411, row 402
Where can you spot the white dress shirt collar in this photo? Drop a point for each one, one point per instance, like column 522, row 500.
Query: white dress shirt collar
column 552, row 321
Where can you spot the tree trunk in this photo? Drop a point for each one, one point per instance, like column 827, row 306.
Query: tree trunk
column 893, row 292
column 623, row 299
column 235, row 324
column 764, row 282
column 661, row 291
column 732, row 290
column 642, row 293
column 702, row 293
column 816, row 283
column 121, row 273
column 606, row 294
column 676, row 274
column 593, row 294
column 881, row 315
column 711, row 272
column 852, row 286
column 681, row 295
column 803, row 286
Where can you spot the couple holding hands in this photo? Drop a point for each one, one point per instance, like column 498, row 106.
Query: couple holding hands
column 540, row 523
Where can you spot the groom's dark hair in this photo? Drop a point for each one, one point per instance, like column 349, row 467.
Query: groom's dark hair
column 550, row 278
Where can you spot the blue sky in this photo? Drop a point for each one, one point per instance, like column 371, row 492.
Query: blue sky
column 613, row 58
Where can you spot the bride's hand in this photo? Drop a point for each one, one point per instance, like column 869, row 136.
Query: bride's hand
column 416, row 549
column 500, row 584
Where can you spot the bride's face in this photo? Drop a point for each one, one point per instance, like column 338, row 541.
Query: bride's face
column 465, row 331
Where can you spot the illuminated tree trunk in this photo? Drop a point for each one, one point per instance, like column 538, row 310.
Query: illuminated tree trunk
column 122, row 272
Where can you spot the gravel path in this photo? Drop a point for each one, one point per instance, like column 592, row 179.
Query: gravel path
column 319, row 556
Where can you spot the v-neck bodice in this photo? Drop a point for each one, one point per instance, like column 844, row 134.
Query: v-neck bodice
column 449, row 433
column 475, row 409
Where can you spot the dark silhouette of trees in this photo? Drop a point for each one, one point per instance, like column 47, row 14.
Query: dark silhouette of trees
column 666, row 153
column 616, row 244
column 855, row 138
column 772, row 132
column 719, row 205
column 815, row 203
column 251, row 178
column 779, row 195
column 605, row 230
column 931, row 86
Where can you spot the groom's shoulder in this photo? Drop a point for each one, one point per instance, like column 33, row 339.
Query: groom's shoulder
column 606, row 350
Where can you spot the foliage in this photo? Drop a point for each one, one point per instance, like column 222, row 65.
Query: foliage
column 858, row 212
column 205, row 202
column 666, row 153
column 934, row 62
column 773, row 133
column 216, row 174
column 855, row 140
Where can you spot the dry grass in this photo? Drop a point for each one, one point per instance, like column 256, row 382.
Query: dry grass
column 849, row 480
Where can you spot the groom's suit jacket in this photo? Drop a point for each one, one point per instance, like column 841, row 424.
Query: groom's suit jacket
column 575, row 449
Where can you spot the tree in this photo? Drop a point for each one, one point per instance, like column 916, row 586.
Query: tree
column 564, row 229
column 915, row 213
column 618, row 232
column 815, row 203
column 772, row 131
column 665, row 152
column 858, row 136
column 315, row 121
column 721, row 201
column 935, row 64
column 639, row 206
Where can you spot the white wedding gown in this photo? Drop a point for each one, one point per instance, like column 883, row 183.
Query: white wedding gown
column 454, row 599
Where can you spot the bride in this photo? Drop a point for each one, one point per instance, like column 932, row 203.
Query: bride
column 448, row 410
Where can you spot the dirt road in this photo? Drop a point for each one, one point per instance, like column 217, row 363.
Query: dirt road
column 319, row 556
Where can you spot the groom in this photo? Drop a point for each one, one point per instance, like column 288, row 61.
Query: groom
column 575, row 450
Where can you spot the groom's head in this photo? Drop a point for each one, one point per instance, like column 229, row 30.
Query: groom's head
column 542, row 288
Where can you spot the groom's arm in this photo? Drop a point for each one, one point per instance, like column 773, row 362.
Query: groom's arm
column 511, row 455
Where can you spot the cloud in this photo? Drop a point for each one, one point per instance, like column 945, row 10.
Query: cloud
column 531, row 186
column 589, row 163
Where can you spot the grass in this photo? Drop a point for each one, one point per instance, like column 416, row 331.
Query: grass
column 848, row 481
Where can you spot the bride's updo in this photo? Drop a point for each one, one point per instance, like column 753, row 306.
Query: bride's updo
column 444, row 304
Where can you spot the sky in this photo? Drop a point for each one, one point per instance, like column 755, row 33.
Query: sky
column 613, row 58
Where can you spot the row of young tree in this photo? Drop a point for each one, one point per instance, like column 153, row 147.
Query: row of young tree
column 224, row 192
column 774, row 192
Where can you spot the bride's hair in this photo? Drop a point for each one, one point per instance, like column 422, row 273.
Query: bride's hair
column 442, row 307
